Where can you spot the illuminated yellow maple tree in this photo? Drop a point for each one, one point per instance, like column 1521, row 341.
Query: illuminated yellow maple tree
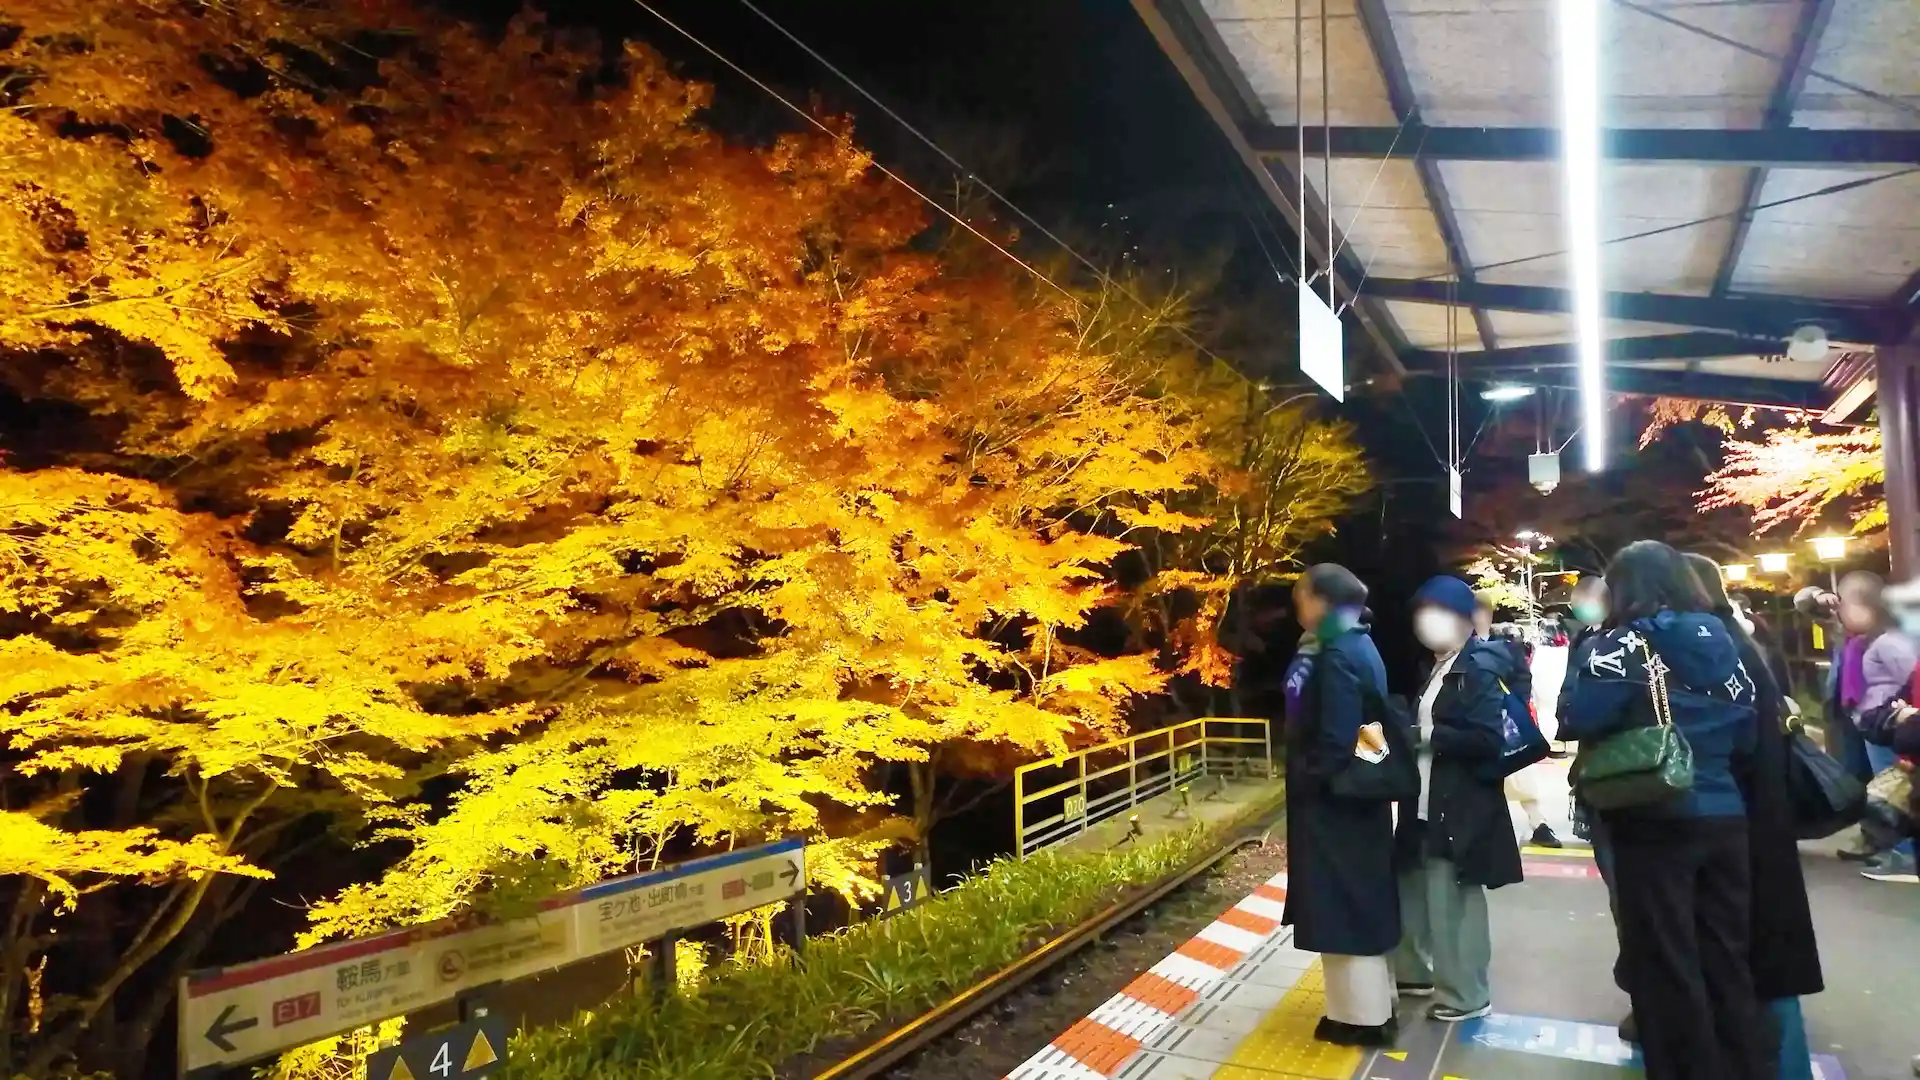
column 449, row 443
column 1791, row 475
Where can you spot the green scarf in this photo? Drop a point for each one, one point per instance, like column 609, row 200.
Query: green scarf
column 1337, row 622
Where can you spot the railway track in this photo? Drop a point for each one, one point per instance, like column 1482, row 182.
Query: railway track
column 927, row 1031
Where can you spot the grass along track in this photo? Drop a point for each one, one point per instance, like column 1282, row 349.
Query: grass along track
column 1000, row 1021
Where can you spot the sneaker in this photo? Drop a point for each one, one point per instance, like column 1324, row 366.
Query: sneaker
column 1629, row 1030
column 1447, row 1014
column 1416, row 989
column 1544, row 837
column 1896, row 866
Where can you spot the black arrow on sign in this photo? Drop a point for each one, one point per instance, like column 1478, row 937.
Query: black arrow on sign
column 791, row 873
column 225, row 1025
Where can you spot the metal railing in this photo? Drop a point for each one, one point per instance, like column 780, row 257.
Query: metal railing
column 1064, row 796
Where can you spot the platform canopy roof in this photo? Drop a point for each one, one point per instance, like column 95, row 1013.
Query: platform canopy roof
column 1762, row 174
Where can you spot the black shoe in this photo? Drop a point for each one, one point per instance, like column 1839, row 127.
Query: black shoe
column 1340, row 1034
column 1544, row 837
column 1416, row 989
column 1629, row 1031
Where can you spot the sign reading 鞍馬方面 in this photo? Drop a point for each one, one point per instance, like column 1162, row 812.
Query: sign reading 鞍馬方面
column 236, row 1014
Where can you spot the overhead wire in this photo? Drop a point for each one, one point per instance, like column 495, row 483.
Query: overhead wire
column 1751, row 50
column 1105, row 278
column 1832, row 189
column 838, row 136
column 1101, row 273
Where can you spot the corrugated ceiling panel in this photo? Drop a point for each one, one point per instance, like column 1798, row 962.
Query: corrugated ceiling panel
column 1491, row 62
column 1511, row 210
column 1382, row 211
column 1425, row 325
column 1516, row 328
column 1261, row 38
column 1853, row 245
column 1869, row 43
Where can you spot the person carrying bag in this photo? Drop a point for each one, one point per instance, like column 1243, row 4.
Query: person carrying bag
column 1667, row 720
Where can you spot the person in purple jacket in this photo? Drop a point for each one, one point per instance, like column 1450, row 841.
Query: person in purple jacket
column 1876, row 667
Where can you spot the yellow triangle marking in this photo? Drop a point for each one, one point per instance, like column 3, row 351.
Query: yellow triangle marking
column 893, row 899
column 481, row 1053
column 400, row 1070
column 1397, row 1055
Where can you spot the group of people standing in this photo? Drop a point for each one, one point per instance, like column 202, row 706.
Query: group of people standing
column 1715, row 933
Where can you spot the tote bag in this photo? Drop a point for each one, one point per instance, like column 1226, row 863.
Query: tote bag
column 1385, row 774
column 1521, row 742
column 1824, row 796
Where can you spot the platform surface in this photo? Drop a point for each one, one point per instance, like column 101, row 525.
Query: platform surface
column 1238, row 1002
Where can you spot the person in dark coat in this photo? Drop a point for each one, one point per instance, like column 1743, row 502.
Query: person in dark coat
column 1458, row 840
column 1342, row 900
column 1682, row 870
column 1785, row 955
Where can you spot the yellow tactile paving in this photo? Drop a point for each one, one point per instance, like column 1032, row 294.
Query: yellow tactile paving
column 1283, row 1045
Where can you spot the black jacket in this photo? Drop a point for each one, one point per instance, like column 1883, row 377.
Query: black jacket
column 1785, row 954
column 1467, row 820
column 1342, row 895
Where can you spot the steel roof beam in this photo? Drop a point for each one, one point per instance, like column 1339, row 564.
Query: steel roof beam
column 1521, row 359
column 1692, row 386
column 1760, row 148
column 1393, row 68
column 1754, row 316
column 1779, row 117
column 1189, row 40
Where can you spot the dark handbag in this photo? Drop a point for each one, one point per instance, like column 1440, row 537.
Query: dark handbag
column 1393, row 778
column 1823, row 795
column 1640, row 767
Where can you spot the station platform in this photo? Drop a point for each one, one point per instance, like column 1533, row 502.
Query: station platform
column 1238, row 1002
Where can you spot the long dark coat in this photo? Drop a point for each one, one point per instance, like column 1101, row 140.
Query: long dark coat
column 1467, row 820
column 1785, row 954
column 1341, row 893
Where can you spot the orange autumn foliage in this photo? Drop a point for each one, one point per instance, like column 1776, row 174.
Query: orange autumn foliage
column 431, row 410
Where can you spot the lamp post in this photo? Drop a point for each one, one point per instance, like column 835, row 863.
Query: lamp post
column 1831, row 550
column 1736, row 573
column 1528, row 538
column 1774, row 562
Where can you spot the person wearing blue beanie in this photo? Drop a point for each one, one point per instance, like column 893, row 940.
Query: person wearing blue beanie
column 1459, row 841
column 1447, row 593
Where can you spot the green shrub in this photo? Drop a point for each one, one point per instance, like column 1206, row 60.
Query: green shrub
column 746, row 1020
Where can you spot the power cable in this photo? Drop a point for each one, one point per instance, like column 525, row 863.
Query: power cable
column 1105, row 278
column 837, row 137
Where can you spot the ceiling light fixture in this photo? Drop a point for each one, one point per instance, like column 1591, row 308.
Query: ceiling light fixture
column 1506, row 392
column 1580, row 165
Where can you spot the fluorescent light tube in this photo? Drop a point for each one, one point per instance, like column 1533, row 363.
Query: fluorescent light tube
column 1580, row 165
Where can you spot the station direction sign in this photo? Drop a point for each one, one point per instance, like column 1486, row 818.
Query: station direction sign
column 248, row 1011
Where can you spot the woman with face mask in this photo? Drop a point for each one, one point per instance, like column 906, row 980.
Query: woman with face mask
column 1458, row 842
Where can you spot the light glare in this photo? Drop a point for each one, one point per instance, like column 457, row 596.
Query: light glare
column 1774, row 562
column 1580, row 164
column 1830, row 548
column 1506, row 393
